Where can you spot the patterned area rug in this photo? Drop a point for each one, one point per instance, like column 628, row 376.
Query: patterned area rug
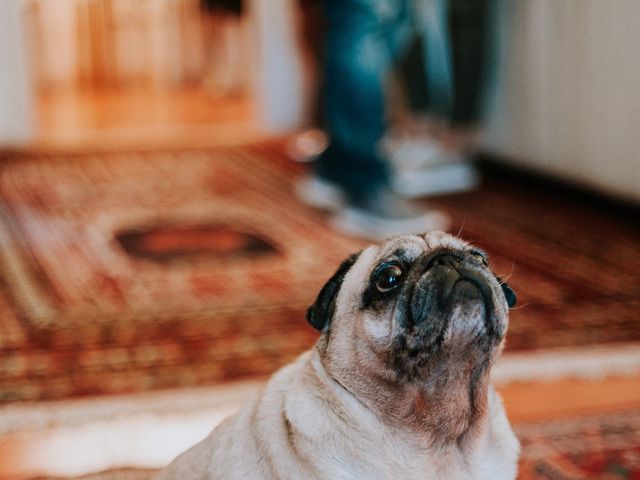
column 138, row 271
column 605, row 447
column 131, row 272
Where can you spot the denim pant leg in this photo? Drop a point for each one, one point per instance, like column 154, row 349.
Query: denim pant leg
column 362, row 41
column 469, row 31
column 456, row 35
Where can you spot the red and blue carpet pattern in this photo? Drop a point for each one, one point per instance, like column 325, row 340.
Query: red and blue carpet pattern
column 138, row 271
column 605, row 446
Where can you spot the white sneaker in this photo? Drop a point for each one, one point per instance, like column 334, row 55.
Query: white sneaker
column 362, row 224
column 415, row 152
column 319, row 193
column 436, row 180
column 375, row 217
column 422, row 167
column 386, row 215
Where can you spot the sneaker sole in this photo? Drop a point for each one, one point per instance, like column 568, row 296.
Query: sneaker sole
column 358, row 223
column 436, row 180
column 319, row 194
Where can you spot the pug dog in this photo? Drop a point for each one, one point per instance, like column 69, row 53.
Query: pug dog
column 397, row 385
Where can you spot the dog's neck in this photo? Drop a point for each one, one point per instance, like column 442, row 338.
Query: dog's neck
column 448, row 406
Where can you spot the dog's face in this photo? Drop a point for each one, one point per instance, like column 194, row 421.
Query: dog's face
column 421, row 310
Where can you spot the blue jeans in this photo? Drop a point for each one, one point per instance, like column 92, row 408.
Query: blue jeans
column 365, row 40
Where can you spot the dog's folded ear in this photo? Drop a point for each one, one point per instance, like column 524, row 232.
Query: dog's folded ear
column 509, row 294
column 320, row 313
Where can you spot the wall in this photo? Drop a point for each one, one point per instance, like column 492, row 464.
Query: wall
column 568, row 96
column 277, row 66
column 16, row 98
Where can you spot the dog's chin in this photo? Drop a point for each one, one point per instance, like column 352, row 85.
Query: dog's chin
column 466, row 315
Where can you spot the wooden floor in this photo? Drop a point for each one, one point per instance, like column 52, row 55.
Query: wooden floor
column 528, row 402
column 144, row 118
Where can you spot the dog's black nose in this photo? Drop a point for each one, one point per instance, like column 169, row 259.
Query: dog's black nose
column 445, row 260
column 446, row 268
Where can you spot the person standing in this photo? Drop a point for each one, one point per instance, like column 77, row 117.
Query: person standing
column 365, row 41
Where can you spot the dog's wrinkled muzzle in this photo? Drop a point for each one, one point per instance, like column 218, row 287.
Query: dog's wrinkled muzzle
column 454, row 281
column 448, row 283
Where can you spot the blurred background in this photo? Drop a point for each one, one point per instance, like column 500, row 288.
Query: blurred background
column 157, row 258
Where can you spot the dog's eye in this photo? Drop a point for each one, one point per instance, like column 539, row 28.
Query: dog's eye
column 388, row 278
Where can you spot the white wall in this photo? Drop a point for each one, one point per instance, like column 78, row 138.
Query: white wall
column 568, row 99
column 278, row 77
column 16, row 94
